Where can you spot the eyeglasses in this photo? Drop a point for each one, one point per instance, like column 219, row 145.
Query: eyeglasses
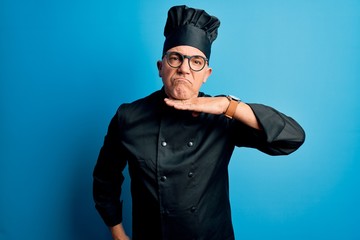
column 196, row 62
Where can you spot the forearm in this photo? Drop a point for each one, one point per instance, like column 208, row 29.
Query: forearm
column 108, row 177
column 218, row 106
column 283, row 134
column 107, row 182
column 245, row 114
column 277, row 126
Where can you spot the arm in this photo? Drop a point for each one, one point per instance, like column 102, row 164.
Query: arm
column 245, row 114
column 108, row 177
column 216, row 105
column 261, row 127
column 281, row 134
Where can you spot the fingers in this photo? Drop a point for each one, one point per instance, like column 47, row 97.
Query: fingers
column 169, row 102
column 181, row 104
column 212, row 105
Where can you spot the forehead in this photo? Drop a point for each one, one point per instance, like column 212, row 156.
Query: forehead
column 187, row 50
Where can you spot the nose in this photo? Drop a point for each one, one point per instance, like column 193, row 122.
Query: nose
column 185, row 66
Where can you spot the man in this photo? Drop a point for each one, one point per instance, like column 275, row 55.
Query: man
column 178, row 143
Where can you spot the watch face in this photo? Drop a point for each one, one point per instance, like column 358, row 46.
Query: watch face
column 234, row 98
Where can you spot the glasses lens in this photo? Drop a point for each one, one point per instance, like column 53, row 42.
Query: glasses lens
column 197, row 63
column 174, row 59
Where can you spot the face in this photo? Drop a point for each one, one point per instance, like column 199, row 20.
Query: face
column 182, row 83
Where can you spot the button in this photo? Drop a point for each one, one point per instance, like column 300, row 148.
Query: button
column 163, row 178
column 165, row 212
column 192, row 209
column 163, row 144
column 190, row 174
column 190, row 144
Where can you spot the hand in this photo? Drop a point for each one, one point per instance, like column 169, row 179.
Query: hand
column 118, row 232
column 216, row 105
column 212, row 105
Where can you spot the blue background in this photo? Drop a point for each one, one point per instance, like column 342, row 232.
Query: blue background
column 65, row 66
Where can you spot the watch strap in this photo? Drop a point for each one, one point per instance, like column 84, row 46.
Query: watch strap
column 230, row 111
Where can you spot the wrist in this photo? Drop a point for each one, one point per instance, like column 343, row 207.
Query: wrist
column 233, row 102
column 118, row 232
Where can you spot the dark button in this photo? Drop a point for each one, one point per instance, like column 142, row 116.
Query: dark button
column 163, row 178
column 192, row 209
column 163, row 144
column 190, row 144
column 190, row 174
column 165, row 212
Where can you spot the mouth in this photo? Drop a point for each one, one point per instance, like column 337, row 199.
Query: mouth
column 181, row 80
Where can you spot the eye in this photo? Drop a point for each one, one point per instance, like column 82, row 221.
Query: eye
column 197, row 60
column 174, row 56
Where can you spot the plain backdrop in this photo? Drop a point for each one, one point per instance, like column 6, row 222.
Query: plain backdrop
column 65, row 67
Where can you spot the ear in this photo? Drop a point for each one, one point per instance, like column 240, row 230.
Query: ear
column 207, row 74
column 159, row 67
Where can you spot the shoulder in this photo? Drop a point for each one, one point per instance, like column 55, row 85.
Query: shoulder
column 153, row 98
column 141, row 107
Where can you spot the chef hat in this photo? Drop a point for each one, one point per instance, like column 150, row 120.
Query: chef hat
column 191, row 27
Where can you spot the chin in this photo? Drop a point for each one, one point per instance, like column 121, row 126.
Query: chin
column 182, row 94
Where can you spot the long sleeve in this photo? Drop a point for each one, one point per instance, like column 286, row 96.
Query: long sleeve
column 280, row 134
column 108, row 177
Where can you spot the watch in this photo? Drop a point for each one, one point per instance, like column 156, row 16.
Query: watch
column 233, row 103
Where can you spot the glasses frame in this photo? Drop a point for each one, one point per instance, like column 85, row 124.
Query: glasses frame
column 183, row 56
